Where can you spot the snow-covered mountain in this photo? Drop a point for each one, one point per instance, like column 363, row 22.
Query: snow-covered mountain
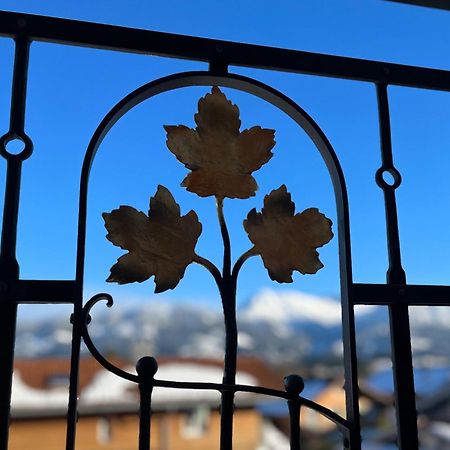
column 281, row 327
column 292, row 306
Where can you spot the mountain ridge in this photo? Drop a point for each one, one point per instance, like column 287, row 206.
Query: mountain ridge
column 281, row 327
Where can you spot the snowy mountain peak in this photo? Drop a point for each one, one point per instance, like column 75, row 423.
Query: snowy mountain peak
column 292, row 306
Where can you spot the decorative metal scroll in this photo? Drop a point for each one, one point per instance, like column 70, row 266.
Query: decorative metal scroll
column 161, row 244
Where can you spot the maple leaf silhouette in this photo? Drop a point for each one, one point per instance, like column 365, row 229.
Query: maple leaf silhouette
column 220, row 157
column 287, row 242
column 160, row 244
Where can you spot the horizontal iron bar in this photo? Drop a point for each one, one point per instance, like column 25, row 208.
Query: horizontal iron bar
column 40, row 291
column 111, row 37
column 338, row 420
column 221, row 387
column 409, row 294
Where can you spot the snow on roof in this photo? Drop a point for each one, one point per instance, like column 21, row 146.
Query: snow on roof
column 108, row 389
column 272, row 438
column 194, row 372
column 24, row 396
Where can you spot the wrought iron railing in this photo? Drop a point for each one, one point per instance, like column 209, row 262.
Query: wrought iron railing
column 396, row 293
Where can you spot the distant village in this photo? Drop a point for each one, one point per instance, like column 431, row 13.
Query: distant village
column 296, row 334
column 185, row 420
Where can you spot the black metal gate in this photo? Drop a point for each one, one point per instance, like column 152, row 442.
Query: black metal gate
column 396, row 293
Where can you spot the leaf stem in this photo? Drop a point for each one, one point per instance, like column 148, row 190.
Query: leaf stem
column 228, row 295
column 240, row 262
column 227, row 289
column 210, row 267
column 226, row 273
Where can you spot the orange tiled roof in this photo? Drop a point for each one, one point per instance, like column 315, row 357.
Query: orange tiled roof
column 36, row 373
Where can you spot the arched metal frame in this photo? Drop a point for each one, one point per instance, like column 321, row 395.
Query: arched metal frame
column 296, row 113
column 396, row 293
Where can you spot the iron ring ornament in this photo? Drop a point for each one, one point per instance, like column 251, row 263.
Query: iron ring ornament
column 24, row 154
column 162, row 243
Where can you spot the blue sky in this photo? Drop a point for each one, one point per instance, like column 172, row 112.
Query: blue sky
column 71, row 89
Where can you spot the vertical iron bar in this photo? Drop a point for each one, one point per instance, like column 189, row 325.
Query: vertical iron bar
column 77, row 317
column 228, row 294
column 9, row 266
column 294, row 420
column 398, row 313
column 348, row 312
column 8, row 316
column 350, row 361
column 227, row 288
column 294, row 385
column 77, row 323
column 72, row 407
column 146, row 369
column 19, row 88
column 14, row 162
column 145, row 413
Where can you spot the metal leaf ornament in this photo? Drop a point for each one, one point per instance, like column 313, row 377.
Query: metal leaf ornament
column 220, row 157
column 160, row 244
column 287, row 241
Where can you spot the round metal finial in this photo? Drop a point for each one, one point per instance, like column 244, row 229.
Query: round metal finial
column 146, row 367
column 294, row 384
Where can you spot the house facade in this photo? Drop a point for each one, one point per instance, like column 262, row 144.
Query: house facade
column 108, row 408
